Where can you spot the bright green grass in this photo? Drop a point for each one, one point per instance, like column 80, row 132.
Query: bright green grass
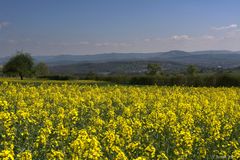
column 39, row 81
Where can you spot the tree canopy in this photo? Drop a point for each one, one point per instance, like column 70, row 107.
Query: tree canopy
column 192, row 70
column 41, row 69
column 20, row 64
column 153, row 69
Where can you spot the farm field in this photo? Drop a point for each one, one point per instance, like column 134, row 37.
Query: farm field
column 72, row 121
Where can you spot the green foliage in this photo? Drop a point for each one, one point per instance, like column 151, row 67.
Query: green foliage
column 59, row 77
column 153, row 69
column 20, row 64
column 214, row 80
column 192, row 70
column 91, row 75
column 41, row 69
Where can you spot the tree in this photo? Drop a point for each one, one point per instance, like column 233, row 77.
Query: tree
column 153, row 68
column 20, row 64
column 41, row 69
column 192, row 70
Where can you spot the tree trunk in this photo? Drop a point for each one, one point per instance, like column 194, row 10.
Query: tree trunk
column 21, row 76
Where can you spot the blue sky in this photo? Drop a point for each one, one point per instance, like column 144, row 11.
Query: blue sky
column 52, row 27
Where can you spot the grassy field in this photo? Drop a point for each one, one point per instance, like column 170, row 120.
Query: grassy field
column 41, row 81
column 65, row 120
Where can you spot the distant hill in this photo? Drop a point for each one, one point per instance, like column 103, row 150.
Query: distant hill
column 105, row 57
column 226, row 59
column 137, row 62
column 173, row 54
column 130, row 67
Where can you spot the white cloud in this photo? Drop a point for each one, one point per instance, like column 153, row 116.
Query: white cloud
column 112, row 44
column 81, row 43
column 84, row 43
column 3, row 24
column 208, row 37
column 181, row 37
column 232, row 26
column 102, row 44
column 158, row 39
column 12, row 41
column 147, row 40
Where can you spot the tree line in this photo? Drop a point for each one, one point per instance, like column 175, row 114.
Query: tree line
column 22, row 64
column 155, row 76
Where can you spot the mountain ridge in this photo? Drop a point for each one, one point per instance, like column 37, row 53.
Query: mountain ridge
column 207, row 58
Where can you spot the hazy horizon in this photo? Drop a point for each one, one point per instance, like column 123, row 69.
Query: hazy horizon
column 83, row 27
column 106, row 53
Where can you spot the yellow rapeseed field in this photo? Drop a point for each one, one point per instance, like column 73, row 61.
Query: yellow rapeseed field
column 71, row 121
